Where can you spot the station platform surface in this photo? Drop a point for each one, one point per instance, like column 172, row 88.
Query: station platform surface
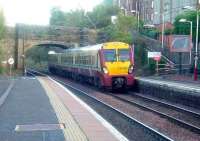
column 42, row 109
column 182, row 84
column 4, row 83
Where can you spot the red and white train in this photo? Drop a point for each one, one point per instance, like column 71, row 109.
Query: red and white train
column 109, row 65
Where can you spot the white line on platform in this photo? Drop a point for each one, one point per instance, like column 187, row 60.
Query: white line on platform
column 112, row 129
column 6, row 93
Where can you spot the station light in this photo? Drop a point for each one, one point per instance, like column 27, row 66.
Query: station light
column 182, row 20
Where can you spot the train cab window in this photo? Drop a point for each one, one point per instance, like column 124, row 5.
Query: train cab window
column 123, row 55
column 110, row 55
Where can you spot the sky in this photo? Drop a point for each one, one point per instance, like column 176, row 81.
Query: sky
column 38, row 11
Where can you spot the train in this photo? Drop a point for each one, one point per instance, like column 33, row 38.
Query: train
column 108, row 65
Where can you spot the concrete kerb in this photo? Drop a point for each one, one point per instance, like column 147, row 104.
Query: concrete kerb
column 6, row 93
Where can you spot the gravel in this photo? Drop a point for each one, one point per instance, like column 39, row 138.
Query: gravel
column 187, row 117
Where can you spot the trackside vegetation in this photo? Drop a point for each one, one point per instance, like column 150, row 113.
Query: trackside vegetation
column 2, row 31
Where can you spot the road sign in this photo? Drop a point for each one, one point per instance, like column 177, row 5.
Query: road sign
column 11, row 61
column 157, row 58
column 154, row 54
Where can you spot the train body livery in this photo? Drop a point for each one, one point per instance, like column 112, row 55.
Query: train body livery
column 108, row 65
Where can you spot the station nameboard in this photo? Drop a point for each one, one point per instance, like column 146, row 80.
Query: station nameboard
column 154, row 54
column 180, row 43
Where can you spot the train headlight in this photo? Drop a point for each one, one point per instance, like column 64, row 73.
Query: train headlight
column 130, row 69
column 105, row 70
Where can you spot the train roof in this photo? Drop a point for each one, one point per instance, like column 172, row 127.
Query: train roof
column 92, row 47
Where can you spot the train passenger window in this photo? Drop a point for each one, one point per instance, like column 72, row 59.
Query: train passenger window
column 93, row 60
column 110, row 55
column 123, row 54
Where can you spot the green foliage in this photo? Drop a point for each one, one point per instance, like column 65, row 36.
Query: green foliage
column 151, row 32
column 37, row 56
column 152, row 66
column 76, row 18
column 140, row 54
column 57, row 17
column 126, row 23
column 100, row 16
column 184, row 28
column 108, row 2
column 169, row 31
column 121, row 31
column 1, row 57
column 2, row 31
column 2, row 24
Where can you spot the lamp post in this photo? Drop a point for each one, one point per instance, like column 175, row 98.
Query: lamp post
column 186, row 21
column 137, row 13
column 138, row 18
column 163, row 27
column 197, row 36
column 196, row 49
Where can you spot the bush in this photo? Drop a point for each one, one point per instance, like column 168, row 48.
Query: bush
column 152, row 33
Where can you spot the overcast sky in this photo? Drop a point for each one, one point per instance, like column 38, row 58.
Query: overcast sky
column 38, row 11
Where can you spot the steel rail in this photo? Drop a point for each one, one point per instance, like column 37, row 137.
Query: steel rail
column 173, row 106
column 175, row 120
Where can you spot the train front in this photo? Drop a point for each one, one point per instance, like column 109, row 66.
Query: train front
column 117, row 65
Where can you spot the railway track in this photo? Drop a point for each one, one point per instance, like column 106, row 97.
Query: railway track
column 180, row 116
column 113, row 115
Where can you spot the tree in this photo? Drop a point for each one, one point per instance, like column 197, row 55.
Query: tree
column 2, row 24
column 101, row 14
column 184, row 28
column 99, row 17
column 73, row 18
column 121, row 31
column 108, row 2
column 57, row 17
column 76, row 18
column 2, row 31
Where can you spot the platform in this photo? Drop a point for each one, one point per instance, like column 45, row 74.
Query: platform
column 181, row 92
column 79, row 118
column 27, row 104
column 42, row 109
column 178, row 85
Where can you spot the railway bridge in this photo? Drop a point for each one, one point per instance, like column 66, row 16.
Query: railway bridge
column 22, row 37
